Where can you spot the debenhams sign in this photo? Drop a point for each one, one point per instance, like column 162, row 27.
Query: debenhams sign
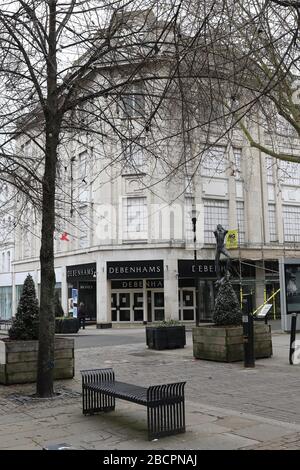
column 81, row 272
column 135, row 269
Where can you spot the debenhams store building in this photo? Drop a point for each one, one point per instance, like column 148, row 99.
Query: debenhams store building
column 149, row 290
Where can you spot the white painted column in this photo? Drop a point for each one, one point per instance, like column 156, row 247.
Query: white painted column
column 145, row 319
column 171, row 289
column 13, row 304
column 64, row 290
column 103, row 296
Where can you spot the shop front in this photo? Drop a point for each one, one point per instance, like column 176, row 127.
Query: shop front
column 203, row 273
column 82, row 278
column 137, row 291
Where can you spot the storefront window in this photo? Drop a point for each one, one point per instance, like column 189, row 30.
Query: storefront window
column 19, row 290
column 5, row 303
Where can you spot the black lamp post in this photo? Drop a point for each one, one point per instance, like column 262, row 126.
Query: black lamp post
column 194, row 214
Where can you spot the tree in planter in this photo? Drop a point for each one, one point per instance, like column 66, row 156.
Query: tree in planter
column 227, row 309
column 25, row 325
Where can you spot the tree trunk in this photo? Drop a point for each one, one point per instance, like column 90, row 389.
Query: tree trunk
column 47, row 304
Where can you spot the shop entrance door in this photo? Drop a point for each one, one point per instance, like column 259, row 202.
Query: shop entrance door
column 127, row 306
column 187, row 302
column 87, row 295
column 157, row 305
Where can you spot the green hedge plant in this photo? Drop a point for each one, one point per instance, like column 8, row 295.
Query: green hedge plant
column 26, row 322
column 227, row 308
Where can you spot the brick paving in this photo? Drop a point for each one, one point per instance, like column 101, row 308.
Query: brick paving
column 228, row 407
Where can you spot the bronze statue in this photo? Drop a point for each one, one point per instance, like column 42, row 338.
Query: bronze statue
column 220, row 234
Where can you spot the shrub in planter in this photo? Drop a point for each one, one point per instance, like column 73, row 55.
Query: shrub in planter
column 66, row 325
column 224, row 340
column 26, row 322
column 227, row 308
column 19, row 352
column 166, row 335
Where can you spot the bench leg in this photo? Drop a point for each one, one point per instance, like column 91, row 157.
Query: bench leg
column 165, row 419
column 95, row 401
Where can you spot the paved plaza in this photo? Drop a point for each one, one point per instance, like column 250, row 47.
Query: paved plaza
column 227, row 406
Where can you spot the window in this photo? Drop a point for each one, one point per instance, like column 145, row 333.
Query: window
column 133, row 102
column 188, row 184
column 291, row 223
column 5, row 303
column 270, row 163
column 134, row 157
column 83, row 225
column 83, row 187
column 213, row 162
column 237, row 153
column 240, row 215
column 289, row 172
column 272, row 222
column 26, row 241
column 215, row 212
column 19, row 290
column 188, row 207
column 136, row 218
column 8, row 261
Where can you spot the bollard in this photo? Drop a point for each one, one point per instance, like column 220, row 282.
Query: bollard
column 248, row 332
column 293, row 336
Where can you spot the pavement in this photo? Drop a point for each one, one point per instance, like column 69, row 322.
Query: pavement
column 227, row 406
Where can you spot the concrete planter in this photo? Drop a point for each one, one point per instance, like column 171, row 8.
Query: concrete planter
column 18, row 360
column 66, row 325
column 225, row 343
column 166, row 337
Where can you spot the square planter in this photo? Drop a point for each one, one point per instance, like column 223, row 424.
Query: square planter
column 166, row 337
column 18, row 360
column 66, row 325
column 226, row 343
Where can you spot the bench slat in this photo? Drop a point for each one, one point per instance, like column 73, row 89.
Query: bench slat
column 121, row 390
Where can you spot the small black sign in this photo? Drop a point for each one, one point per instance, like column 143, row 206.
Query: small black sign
column 292, row 288
column 135, row 269
column 81, row 272
column 203, row 268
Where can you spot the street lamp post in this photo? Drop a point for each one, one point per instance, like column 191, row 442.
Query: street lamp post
column 197, row 306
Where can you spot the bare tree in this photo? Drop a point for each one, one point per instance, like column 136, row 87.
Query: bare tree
column 117, row 70
column 48, row 97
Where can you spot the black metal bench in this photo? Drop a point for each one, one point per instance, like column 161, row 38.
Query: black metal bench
column 165, row 403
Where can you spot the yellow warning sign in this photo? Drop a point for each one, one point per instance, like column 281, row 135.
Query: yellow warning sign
column 232, row 239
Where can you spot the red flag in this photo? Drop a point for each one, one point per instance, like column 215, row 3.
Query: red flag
column 64, row 237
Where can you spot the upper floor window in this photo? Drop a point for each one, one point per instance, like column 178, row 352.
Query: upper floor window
column 237, row 154
column 291, row 223
column 136, row 218
column 134, row 157
column 289, row 172
column 215, row 212
column 213, row 162
column 270, row 163
column 240, row 215
column 83, row 225
column 272, row 222
column 132, row 103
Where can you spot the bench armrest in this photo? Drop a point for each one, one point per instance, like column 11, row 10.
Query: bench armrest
column 97, row 375
column 166, row 392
